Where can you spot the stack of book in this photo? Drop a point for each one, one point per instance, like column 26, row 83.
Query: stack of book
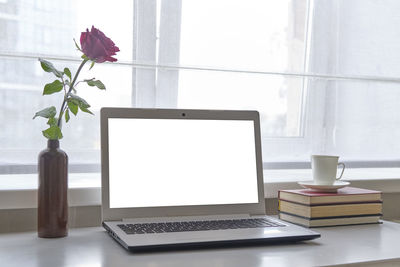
column 347, row 206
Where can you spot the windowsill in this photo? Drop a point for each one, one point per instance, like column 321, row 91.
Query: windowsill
column 84, row 190
column 85, row 187
column 30, row 181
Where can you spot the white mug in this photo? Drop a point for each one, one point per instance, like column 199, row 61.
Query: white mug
column 324, row 169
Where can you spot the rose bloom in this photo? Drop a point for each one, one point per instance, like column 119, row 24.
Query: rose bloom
column 98, row 47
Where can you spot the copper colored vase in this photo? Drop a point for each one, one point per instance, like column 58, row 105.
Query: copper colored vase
column 52, row 192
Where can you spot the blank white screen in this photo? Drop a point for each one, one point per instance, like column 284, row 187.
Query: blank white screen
column 171, row 162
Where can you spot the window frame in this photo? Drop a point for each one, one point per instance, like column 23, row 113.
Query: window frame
column 150, row 73
column 148, row 87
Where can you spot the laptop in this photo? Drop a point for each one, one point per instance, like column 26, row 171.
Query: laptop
column 177, row 178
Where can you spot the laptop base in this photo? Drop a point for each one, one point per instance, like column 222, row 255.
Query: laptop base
column 210, row 238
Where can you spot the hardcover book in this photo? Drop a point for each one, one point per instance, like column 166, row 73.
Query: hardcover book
column 333, row 221
column 343, row 195
column 330, row 210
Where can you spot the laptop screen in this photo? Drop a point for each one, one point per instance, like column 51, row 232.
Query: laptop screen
column 180, row 162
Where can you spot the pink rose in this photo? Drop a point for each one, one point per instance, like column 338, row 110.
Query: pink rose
column 98, row 47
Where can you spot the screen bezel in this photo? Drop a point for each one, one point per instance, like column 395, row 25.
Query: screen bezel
column 192, row 210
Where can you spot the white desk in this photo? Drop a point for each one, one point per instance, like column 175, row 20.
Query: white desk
column 377, row 244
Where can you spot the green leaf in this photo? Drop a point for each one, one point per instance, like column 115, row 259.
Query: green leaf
column 86, row 110
column 91, row 65
column 52, row 121
column 67, row 72
column 73, row 107
column 47, row 66
column 97, row 83
column 49, row 112
column 66, row 115
column 53, row 87
column 77, row 46
column 82, row 104
column 78, row 101
column 84, row 57
column 53, row 133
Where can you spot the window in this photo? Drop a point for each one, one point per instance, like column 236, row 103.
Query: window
column 238, row 55
column 323, row 74
column 240, row 39
column 359, row 111
column 320, row 73
column 26, row 36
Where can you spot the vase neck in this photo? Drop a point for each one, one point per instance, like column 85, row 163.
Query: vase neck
column 53, row 144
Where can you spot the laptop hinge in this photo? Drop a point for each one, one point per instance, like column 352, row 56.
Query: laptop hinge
column 188, row 218
column 260, row 214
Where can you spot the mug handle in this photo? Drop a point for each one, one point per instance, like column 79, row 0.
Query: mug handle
column 344, row 166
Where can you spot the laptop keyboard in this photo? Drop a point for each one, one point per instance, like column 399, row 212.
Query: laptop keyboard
column 148, row 228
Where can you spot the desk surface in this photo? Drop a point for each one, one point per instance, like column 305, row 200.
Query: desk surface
column 94, row 248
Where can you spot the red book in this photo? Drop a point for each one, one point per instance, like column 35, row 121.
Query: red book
column 343, row 195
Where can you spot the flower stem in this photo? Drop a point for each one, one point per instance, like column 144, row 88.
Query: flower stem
column 71, row 86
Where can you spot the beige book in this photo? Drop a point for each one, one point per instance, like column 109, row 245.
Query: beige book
column 330, row 210
column 328, row 221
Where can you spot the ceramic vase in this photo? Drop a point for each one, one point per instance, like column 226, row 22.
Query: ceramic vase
column 52, row 191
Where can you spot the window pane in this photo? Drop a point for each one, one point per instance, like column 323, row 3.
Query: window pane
column 359, row 120
column 278, row 99
column 358, row 37
column 48, row 27
column 255, row 34
column 21, row 96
